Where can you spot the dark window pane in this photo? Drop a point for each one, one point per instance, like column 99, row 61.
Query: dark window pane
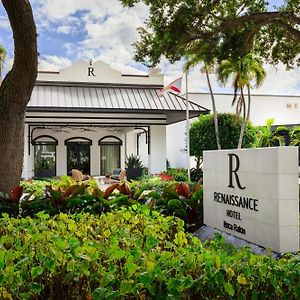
column 44, row 160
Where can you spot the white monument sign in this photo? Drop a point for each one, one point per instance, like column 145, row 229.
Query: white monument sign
column 253, row 194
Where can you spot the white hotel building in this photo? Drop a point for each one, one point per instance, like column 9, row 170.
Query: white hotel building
column 90, row 117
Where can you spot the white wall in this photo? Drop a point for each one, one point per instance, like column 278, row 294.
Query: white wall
column 157, row 162
column 284, row 109
column 176, row 144
column 130, row 143
column 143, row 150
column 79, row 71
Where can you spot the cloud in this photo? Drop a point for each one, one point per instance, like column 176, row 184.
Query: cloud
column 53, row 63
column 4, row 23
column 105, row 29
column 279, row 81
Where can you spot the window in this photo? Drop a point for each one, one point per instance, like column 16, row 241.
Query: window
column 79, row 154
column 110, row 154
column 44, row 156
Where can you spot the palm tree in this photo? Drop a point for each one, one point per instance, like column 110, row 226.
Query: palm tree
column 192, row 61
column 244, row 70
column 2, row 58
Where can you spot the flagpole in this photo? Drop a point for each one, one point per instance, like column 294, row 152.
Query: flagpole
column 187, row 126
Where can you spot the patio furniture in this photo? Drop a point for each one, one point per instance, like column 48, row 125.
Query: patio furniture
column 100, row 179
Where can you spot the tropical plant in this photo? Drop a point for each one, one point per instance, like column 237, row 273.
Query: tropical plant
column 134, row 167
column 202, row 133
column 295, row 136
column 270, row 138
column 133, row 161
column 244, row 70
column 68, row 196
column 10, row 202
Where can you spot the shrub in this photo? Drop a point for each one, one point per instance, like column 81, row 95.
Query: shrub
column 67, row 196
column 202, row 133
column 177, row 174
column 132, row 254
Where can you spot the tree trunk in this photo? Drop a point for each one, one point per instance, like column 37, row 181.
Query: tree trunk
column 214, row 109
column 15, row 92
column 245, row 121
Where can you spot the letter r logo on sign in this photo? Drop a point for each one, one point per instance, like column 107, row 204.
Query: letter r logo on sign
column 233, row 171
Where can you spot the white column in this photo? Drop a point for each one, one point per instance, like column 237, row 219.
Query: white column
column 61, row 158
column 95, row 158
column 131, row 143
column 157, row 157
column 123, row 149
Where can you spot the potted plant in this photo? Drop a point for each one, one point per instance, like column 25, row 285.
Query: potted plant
column 134, row 167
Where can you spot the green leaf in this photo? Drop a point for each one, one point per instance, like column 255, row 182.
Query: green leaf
column 229, row 288
column 50, row 264
column 151, row 242
column 254, row 295
column 218, row 262
column 117, row 253
column 241, row 297
column 145, row 279
column 126, row 287
column 131, row 268
column 2, row 263
column 36, row 271
column 55, row 194
column 241, row 279
column 35, row 287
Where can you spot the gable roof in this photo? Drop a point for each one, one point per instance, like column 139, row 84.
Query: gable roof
column 94, row 97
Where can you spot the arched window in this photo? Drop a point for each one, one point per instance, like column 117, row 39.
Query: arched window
column 110, row 154
column 79, row 154
column 44, row 156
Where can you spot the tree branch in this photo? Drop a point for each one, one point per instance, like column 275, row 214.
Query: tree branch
column 260, row 19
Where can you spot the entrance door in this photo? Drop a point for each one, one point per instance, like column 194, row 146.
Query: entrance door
column 110, row 158
column 78, row 157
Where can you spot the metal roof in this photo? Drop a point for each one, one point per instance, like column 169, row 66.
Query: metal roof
column 67, row 96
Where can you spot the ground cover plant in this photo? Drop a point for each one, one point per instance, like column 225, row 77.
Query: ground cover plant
column 132, row 253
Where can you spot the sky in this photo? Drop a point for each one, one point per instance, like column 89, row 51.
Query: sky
column 70, row 30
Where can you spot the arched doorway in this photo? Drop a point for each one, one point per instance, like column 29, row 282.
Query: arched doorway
column 110, row 154
column 79, row 154
column 44, row 156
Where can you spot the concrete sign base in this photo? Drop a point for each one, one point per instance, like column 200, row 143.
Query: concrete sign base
column 253, row 194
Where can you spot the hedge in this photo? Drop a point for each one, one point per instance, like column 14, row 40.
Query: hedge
column 131, row 254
